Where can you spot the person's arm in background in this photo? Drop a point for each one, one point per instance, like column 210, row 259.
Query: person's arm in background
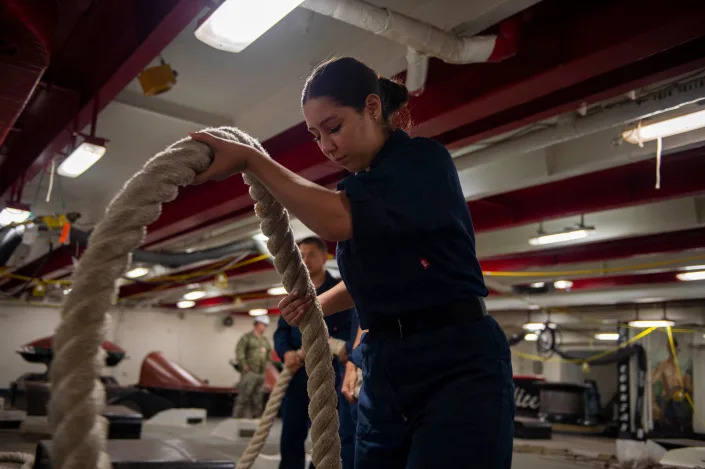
column 240, row 354
column 283, row 347
column 350, row 378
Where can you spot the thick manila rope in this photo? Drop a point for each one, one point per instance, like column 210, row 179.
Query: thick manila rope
column 27, row 460
column 79, row 432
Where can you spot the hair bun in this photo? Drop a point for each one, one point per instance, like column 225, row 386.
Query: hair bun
column 394, row 95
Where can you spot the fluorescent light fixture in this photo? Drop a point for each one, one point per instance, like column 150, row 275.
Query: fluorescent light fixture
column 276, row 291
column 534, row 307
column 238, row 23
column 607, row 336
column 185, row 304
column 538, row 285
column 646, row 323
column 561, row 237
column 650, row 299
column 258, row 312
column 194, row 295
column 691, row 276
column 82, row 158
column 137, row 272
column 666, row 128
column 531, row 337
column 563, row 284
column 694, row 267
column 537, row 326
column 10, row 215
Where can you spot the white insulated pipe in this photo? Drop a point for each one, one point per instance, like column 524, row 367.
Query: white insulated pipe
column 421, row 38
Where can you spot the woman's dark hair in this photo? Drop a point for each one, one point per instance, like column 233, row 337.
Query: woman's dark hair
column 348, row 82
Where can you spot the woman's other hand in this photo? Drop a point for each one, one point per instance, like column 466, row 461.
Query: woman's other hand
column 349, row 381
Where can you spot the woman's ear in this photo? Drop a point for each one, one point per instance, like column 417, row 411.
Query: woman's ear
column 373, row 105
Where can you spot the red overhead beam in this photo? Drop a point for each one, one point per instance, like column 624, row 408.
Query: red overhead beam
column 624, row 280
column 561, row 63
column 633, row 184
column 603, row 250
column 87, row 65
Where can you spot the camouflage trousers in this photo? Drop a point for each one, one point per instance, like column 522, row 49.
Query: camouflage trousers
column 250, row 396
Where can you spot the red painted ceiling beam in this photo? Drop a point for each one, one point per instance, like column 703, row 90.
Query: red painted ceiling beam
column 87, row 65
column 599, row 283
column 602, row 250
column 215, row 201
column 628, row 185
column 561, row 62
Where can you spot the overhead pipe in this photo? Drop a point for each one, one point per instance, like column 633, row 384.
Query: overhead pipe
column 421, row 38
column 580, row 127
column 178, row 259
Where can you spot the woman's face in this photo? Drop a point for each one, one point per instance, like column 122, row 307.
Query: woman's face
column 346, row 136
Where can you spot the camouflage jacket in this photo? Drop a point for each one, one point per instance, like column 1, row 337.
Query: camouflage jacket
column 254, row 351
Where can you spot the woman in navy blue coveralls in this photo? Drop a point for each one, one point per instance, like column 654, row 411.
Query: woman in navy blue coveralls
column 437, row 380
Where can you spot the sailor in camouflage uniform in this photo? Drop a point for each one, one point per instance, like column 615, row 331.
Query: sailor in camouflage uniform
column 252, row 355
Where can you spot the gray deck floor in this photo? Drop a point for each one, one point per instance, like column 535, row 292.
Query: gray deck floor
column 546, row 454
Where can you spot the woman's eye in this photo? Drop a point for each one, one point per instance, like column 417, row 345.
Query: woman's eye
column 336, row 129
column 316, row 139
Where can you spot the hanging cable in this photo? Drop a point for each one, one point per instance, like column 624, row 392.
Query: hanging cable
column 659, row 148
column 51, row 180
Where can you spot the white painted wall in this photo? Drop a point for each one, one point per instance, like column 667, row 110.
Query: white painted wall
column 197, row 342
column 17, row 327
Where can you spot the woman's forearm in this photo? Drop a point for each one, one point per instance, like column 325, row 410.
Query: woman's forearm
column 325, row 212
column 336, row 299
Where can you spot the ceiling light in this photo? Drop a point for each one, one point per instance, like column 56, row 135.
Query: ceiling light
column 82, row 158
column 563, row 284
column 666, row 128
column 568, row 235
column 534, row 307
column 649, row 299
column 537, row 326
column 137, row 272
column 235, row 24
column 185, row 304
column 277, row 291
column 691, row 276
column 607, row 336
column 10, row 215
column 646, row 323
column 194, row 295
column 531, row 337
column 694, row 267
column 258, row 312
column 538, row 285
